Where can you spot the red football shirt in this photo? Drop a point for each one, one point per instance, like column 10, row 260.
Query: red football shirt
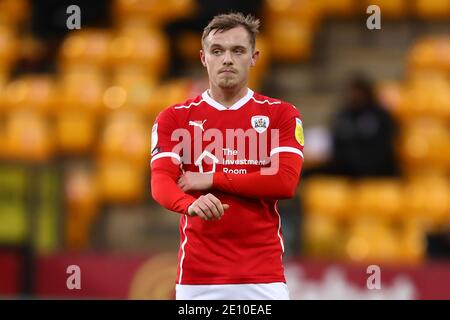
column 246, row 245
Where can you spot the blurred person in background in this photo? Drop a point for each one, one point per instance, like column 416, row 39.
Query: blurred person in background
column 362, row 134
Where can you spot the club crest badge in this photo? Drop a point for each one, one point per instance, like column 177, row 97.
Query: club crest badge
column 260, row 123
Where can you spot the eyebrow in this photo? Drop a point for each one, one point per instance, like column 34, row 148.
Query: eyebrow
column 216, row 45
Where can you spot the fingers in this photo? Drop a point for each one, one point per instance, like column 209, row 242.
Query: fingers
column 218, row 204
column 214, row 205
column 208, row 207
column 184, row 183
column 194, row 210
column 180, row 182
column 182, row 186
column 204, row 208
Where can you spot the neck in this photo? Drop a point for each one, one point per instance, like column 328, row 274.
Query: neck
column 227, row 97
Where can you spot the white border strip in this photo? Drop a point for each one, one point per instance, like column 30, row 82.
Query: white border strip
column 266, row 101
column 182, row 249
column 286, row 149
column 190, row 105
column 165, row 154
column 279, row 228
column 207, row 98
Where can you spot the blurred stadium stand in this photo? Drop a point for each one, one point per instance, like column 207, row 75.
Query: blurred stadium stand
column 76, row 109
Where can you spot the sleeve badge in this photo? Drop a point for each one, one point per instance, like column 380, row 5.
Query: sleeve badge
column 299, row 132
column 154, row 137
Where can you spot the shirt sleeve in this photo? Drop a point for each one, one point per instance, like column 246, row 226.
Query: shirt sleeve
column 164, row 188
column 162, row 144
column 290, row 132
column 166, row 166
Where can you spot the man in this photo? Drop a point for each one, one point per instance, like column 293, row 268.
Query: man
column 363, row 134
column 223, row 160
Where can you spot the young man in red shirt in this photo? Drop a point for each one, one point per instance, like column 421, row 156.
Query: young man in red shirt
column 222, row 160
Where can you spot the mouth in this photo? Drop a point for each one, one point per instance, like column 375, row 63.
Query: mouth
column 227, row 71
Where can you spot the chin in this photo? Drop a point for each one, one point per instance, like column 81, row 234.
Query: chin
column 227, row 84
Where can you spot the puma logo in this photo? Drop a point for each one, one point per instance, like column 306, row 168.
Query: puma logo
column 197, row 124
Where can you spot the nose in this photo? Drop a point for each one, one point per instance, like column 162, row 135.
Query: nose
column 227, row 59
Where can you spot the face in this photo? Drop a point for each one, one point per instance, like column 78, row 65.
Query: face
column 357, row 97
column 228, row 56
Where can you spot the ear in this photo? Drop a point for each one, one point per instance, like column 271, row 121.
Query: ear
column 202, row 57
column 255, row 58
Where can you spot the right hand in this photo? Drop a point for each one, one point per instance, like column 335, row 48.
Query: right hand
column 207, row 207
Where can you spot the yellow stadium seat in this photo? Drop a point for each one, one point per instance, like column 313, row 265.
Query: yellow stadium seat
column 413, row 102
column 151, row 12
column 390, row 8
column 412, row 246
column 357, row 244
column 426, row 94
column 189, row 45
column 132, row 90
column 140, row 47
column 371, row 240
column 27, row 137
column 322, row 236
column 304, row 10
column 440, row 100
column 85, row 47
column 3, row 82
column 82, row 206
column 9, row 47
column 327, row 196
column 432, row 9
column 169, row 93
column 425, row 143
column 430, row 53
column 139, row 10
column 258, row 72
column 81, row 90
column 115, row 97
column 341, row 8
column 75, row 131
column 379, row 197
column 125, row 136
column 32, row 92
column 291, row 40
column 444, row 53
column 441, row 47
column 384, row 245
column 177, row 9
column 13, row 12
column 422, row 54
column 427, row 199
column 120, row 181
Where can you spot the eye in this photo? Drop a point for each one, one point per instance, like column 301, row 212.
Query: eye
column 216, row 52
column 239, row 51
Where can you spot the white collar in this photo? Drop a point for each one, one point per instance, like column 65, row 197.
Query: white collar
column 221, row 107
